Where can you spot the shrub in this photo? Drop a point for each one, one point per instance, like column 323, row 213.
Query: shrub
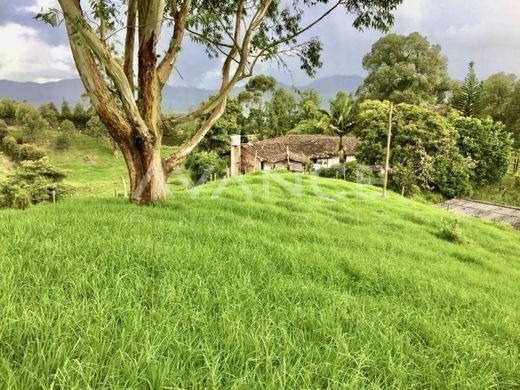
column 67, row 126
column 33, row 182
column 63, row 142
column 95, row 128
column 10, row 146
column 204, row 164
column 29, row 152
column 3, row 129
column 451, row 231
column 488, row 144
column 33, row 124
column 351, row 171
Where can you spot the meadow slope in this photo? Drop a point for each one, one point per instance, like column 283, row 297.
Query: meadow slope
column 257, row 282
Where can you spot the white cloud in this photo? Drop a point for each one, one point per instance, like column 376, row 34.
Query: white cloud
column 25, row 57
column 39, row 5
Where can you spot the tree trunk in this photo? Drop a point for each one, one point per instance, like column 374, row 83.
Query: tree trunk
column 146, row 174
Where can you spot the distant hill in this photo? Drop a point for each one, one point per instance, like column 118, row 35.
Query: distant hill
column 179, row 99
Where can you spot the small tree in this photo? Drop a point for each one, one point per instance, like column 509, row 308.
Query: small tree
column 488, row 144
column 3, row 129
column 468, row 97
column 33, row 124
column 203, row 165
column 67, row 126
column 63, row 142
column 34, row 182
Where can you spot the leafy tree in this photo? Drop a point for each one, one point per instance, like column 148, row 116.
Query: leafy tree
column 488, row 144
column 33, row 124
column 95, row 128
column 217, row 138
column 468, row 98
column 512, row 114
column 3, row 129
column 424, row 153
column 33, row 182
column 202, row 165
column 497, row 95
column 80, row 116
column 8, row 110
column 67, row 126
column 281, row 113
column 405, row 69
column 242, row 33
column 50, row 113
column 253, row 98
column 66, row 112
column 63, row 142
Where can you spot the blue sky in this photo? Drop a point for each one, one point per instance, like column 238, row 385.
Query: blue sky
column 485, row 31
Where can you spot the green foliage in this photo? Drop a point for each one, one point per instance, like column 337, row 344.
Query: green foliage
column 66, row 112
column 50, row 113
column 351, row 171
column 217, row 138
column 202, row 165
column 340, row 117
column 63, row 142
column 4, row 132
column 424, row 149
column 281, row 113
column 468, row 98
column 451, row 231
column 67, row 126
column 30, row 152
column 8, row 110
column 34, row 182
column 308, row 126
column 497, row 95
column 33, row 124
column 488, row 144
column 95, row 128
column 10, row 146
column 80, row 116
column 405, row 69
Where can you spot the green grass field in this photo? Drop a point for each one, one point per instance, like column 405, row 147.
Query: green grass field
column 245, row 284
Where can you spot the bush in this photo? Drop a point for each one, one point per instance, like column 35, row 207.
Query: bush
column 34, row 182
column 29, row 152
column 3, row 129
column 33, row 123
column 451, row 231
column 488, row 144
column 10, row 146
column 204, row 164
column 67, row 126
column 351, row 171
column 63, row 142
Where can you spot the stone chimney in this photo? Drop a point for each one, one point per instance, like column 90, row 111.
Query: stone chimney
column 234, row 168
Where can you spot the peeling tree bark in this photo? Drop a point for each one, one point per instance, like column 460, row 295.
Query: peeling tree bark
column 135, row 124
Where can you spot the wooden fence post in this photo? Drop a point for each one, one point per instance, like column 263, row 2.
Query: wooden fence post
column 388, row 140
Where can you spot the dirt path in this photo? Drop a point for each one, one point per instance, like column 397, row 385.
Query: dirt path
column 489, row 211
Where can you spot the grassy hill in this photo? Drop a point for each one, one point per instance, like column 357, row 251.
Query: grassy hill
column 90, row 165
column 250, row 283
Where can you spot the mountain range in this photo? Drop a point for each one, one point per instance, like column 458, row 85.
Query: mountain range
column 175, row 98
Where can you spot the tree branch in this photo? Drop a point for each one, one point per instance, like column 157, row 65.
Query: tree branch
column 130, row 43
column 167, row 64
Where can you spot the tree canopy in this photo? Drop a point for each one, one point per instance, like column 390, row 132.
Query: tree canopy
column 405, row 69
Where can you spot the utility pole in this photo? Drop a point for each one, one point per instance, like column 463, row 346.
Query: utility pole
column 388, row 140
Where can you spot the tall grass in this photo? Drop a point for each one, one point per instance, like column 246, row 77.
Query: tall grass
column 229, row 287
